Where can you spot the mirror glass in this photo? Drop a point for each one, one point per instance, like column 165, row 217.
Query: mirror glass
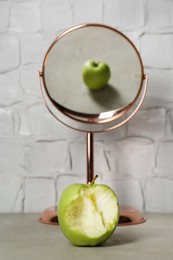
column 62, row 70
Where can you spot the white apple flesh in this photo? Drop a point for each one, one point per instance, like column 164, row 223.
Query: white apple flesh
column 88, row 214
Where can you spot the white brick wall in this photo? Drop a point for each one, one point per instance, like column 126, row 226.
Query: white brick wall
column 24, row 16
column 39, row 157
column 9, row 52
column 156, row 50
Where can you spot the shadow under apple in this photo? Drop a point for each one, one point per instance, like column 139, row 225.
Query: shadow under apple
column 118, row 239
column 108, row 97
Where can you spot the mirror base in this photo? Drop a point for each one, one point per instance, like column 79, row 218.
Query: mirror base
column 128, row 216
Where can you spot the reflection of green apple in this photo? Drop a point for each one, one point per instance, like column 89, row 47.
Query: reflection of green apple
column 95, row 75
column 88, row 213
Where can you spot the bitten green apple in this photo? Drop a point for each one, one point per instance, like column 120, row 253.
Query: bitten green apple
column 95, row 74
column 88, row 213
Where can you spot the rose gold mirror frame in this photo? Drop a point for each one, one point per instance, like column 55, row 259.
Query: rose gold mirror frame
column 91, row 118
column 81, row 118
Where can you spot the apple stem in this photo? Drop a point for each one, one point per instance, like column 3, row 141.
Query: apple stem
column 95, row 177
column 95, row 64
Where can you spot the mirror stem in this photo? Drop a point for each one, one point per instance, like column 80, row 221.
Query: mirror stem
column 90, row 156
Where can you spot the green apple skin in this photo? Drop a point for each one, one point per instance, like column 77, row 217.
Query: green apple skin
column 95, row 75
column 88, row 214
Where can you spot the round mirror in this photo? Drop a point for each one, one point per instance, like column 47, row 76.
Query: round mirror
column 63, row 80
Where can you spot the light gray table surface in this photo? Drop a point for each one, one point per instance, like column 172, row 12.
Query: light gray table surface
column 23, row 237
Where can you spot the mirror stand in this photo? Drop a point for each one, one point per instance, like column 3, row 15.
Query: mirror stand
column 90, row 156
column 65, row 95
